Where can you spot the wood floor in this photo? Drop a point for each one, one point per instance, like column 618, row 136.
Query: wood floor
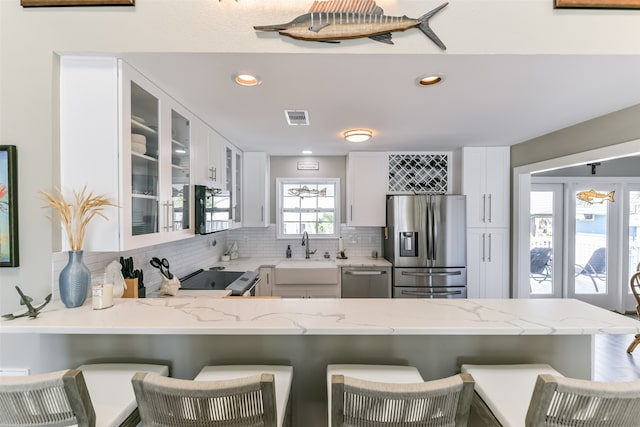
column 612, row 363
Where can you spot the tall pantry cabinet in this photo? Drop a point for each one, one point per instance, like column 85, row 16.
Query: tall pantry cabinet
column 122, row 136
column 485, row 182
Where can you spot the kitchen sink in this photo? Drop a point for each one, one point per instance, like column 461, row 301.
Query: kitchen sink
column 307, row 272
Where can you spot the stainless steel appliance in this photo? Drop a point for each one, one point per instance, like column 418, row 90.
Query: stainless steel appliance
column 366, row 282
column 237, row 282
column 426, row 240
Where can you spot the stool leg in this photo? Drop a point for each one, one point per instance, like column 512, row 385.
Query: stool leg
column 634, row 344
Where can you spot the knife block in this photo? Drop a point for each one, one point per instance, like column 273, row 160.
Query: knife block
column 132, row 288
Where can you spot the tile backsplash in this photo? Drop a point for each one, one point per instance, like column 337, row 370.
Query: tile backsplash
column 262, row 242
column 188, row 255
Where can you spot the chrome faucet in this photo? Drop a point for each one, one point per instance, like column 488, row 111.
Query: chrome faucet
column 305, row 243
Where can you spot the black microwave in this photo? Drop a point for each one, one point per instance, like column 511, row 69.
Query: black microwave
column 212, row 209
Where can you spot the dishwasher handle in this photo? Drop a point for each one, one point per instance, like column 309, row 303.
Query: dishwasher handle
column 365, row 273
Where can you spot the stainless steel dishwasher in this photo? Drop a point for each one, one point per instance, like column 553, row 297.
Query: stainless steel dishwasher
column 366, row 282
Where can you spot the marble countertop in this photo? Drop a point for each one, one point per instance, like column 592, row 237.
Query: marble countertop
column 254, row 263
column 198, row 315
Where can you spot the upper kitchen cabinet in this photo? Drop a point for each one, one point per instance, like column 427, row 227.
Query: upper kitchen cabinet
column 366, row 189
column 122, row 136
column 233, row 183
column 485, row 182
column 256, row 193
column 210, row 159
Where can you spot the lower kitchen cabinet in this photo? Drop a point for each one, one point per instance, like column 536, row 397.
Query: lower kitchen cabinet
column 488, row 263
column 266, row 279
column 306, row 291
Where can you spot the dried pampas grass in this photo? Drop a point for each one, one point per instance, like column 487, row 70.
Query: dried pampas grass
column 74, row 217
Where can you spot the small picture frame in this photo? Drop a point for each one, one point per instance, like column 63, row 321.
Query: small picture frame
column 49, row 3
column 9, row 253
column 597, row 4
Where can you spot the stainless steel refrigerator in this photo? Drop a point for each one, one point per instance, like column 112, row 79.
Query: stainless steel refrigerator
column 426, row 240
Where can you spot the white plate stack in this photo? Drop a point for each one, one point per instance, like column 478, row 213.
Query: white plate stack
column 138, row 143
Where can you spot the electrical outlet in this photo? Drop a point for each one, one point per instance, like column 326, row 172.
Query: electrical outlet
column 14, row 372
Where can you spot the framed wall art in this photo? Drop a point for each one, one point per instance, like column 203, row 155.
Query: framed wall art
column 9, row 255
column 598, row 4
column 45, row 3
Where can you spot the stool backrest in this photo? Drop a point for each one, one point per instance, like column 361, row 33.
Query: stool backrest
column 164, row 401
column 559, row 401
column 52, row 399
column 635, row 289
column 443, row 402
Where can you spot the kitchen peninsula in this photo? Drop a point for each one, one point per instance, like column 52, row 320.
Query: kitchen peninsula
column 436, row 336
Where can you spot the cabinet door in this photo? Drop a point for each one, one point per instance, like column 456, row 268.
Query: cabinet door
column 497, row 186
column 142, row 140
column 497, row 263
column 216, row 160
column 319, row 291
column 476, row 255
column 179, row 199
column 366, row 189
column 474, row 185
column 256, row 185
column 266, row 279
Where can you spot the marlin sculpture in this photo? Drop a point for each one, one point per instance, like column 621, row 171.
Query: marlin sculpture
column 333, row 20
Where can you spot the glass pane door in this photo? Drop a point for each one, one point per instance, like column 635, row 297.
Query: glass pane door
column 546, row 240
column 144, row 161
column 633, row 218
column 180, row 170
column 593, row 212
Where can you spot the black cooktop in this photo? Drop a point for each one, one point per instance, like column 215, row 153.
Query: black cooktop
column 238, row 282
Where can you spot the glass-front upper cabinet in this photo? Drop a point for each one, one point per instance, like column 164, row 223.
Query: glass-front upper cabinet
column 180, row 172
column 145, row 161
column 141, row 141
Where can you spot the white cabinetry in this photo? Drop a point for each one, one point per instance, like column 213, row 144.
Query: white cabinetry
column 256, row 189
column 122, row 136
column 488, row 263
column 366, row 189
column 266, row 282
column 306, row 291
column 485, row 182
column 233, row 182
column 210, row 156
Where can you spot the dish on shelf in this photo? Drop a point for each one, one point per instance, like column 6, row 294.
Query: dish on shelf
column 138, row 138
column 138, row 147
column 137, row 118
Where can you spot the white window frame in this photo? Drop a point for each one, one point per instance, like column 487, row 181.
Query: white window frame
column 280, row 182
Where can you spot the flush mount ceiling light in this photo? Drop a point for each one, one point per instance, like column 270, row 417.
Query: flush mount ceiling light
column 247, row 80
column 358, row 135
column 429, row 80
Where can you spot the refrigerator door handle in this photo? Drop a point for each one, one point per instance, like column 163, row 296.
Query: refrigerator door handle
column 434, row 229
column 436, row 274
column 429, row 293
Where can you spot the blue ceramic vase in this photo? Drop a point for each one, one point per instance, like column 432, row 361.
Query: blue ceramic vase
column 74, row 281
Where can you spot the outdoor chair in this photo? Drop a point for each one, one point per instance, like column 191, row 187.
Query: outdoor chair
column 595, row 268
column 540, row 270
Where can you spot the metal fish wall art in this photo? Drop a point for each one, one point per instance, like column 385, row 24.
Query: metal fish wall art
column 334, row 20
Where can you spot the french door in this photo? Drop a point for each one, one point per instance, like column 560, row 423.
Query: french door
column 594, row 244
column 632, row 227
column 546, row 248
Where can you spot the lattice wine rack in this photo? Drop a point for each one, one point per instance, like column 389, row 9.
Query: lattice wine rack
column 418, row 173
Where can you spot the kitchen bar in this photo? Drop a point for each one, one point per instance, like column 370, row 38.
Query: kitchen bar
column 436, row 336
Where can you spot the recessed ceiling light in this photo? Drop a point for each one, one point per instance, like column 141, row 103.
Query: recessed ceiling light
column 307, row 152
column 430, row 80
column 247, row 80
column 358, row 135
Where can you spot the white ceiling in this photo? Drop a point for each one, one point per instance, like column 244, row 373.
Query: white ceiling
column 485, row 100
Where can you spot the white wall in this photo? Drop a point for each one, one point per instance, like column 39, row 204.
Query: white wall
column 31, row 38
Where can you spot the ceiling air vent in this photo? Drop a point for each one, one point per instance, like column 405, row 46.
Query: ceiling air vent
column 297, row 117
